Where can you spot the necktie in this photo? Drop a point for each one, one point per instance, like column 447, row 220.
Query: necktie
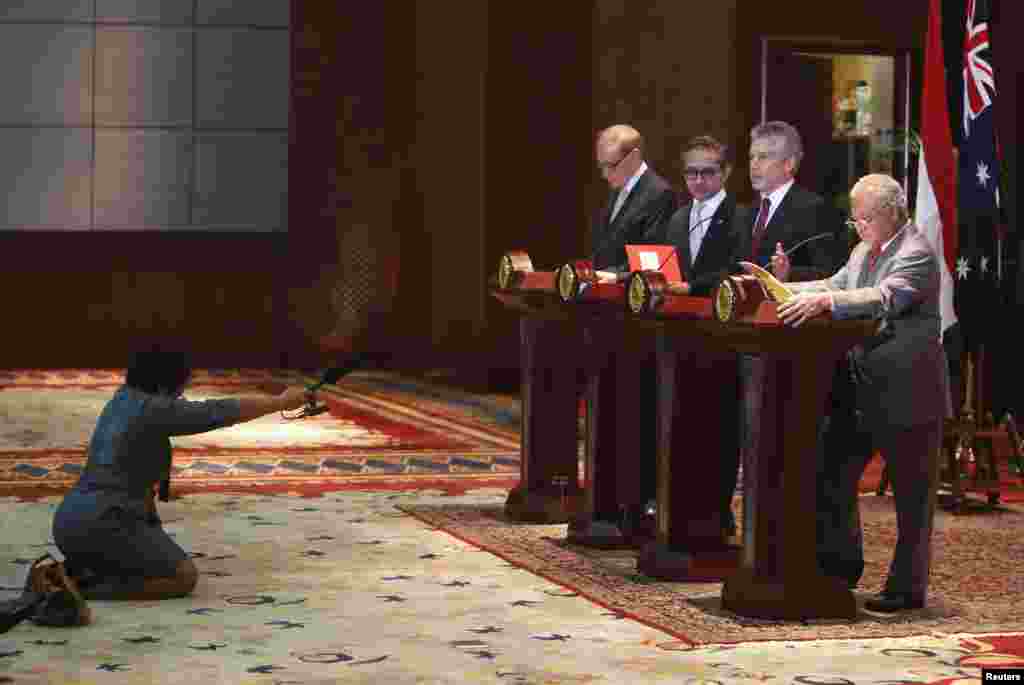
column 696, row 230
column 873, row 256
column 762, row 221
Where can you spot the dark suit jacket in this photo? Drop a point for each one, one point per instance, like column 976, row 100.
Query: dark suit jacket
column 801, row 215
column 639, row 222
column 717, row 255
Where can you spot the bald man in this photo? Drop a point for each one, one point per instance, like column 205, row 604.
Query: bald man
column 639, row 204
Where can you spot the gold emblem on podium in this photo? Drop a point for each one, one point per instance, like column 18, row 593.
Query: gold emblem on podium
column 568, row 282
column 725, row 300
column 638, row 293
column 505, row 269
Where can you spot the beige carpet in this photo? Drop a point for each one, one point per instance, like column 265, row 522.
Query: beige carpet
column 346, row 588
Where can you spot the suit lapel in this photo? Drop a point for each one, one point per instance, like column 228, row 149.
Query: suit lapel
column 631, row 199
column 683, row 242
column 861, row 267
column 610, row 207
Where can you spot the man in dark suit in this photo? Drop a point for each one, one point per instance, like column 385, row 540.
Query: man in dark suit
column 704, row 232
column 640, row 201
column 638, row 206
column 900, row 381
column 789, row 215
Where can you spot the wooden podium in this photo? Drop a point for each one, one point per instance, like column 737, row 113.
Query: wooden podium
column 548, row 489
column 621, row 377
column 621, row 435
column 697, row 426
column 558, row 341
column 777, row 575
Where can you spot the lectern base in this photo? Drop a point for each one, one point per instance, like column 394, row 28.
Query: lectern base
column 795, row 599
column 545, row 506
column 658, row 560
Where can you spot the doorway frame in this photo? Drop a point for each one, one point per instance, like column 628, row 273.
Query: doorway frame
column 902, row 75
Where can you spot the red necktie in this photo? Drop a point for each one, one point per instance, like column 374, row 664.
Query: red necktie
column 762, row 220
column 873, row 256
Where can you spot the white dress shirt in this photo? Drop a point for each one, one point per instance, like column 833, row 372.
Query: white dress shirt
column 626, row 189
column 700, row 221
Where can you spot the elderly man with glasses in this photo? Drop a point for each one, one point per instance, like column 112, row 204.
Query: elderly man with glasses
column 899, row 382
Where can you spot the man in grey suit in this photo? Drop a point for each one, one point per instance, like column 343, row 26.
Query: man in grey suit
column 900, row 378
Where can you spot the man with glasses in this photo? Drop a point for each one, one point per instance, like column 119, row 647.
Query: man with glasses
column 639, row 205
column 704, row 232
column 900, row 387
column 640, row 201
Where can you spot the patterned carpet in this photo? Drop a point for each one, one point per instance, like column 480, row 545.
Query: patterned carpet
column 345, row 588
column 975, row 583
column 381, row 429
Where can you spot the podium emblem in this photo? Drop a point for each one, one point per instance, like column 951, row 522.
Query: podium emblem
column 638, row 294
column 725, row 301
column 505, row 269
column 568, row 282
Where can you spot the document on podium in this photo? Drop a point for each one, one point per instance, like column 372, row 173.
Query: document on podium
column 663, row 258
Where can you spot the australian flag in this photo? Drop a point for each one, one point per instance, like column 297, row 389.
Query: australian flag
column 977, row 287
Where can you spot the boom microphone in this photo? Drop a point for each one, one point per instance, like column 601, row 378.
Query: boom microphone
column 336, row 373
column 329, row 377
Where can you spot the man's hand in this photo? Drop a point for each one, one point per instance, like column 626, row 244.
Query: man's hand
column 607, row 276
column 804, row 306
column 780, row 263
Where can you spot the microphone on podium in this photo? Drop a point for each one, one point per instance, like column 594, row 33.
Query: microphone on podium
column 674, row 251
column 767, row 261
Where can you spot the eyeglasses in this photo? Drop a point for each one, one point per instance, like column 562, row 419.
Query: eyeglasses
column 608, row 166
column 853, row 221
column 706, row 173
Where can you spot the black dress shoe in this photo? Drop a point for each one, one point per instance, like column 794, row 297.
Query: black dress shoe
column 891, row 602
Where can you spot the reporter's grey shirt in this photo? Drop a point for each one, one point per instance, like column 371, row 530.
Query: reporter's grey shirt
column 130, row 449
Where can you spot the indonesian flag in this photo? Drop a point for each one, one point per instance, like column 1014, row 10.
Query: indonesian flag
column 935, row 208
